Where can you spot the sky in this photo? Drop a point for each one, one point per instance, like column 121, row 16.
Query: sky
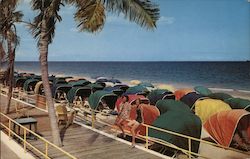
column 188, row 30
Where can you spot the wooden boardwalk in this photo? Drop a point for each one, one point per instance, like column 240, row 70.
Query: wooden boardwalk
column 79, row 141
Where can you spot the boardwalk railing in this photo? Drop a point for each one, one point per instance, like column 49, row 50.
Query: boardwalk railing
column 26, row 131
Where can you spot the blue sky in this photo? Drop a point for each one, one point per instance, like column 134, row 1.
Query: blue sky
column 188, row 30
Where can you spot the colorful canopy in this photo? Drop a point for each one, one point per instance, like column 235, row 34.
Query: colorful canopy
column 131, row 100
column 94, row 86
column 135, row 82
column 191, row 98
column 79, row 83
column 78, row 91
column 180, row 122
column 202, row 90
column 238, row 103
column 166, row 87
column 146, row 84
column 221, row 96
column 29, row 82
column 114, row 90
column 39, row 86
column 61, row 87
column 136, row 90
column 205, row 108
column 159, row 94
column 19, row 81
column 171, row 105
column 181, row 92
column 222, row 125
column 98, row 96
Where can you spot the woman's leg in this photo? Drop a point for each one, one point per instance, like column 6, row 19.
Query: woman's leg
column 133, row 128
column 119, row 124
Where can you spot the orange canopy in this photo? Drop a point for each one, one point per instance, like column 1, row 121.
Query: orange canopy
column 222, row 125
column 181, row 92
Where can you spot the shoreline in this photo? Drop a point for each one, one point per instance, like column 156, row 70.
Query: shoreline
column 127, row 81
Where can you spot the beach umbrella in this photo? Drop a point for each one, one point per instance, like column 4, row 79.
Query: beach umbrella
column 181, row 122
column 146, row 84
column 181, row 92
column 137, row 90
column 135, row 82
column 114, row 90
column 113, row 80
column 219, row 95
column 166, row 87
column 238, row 103
column 95, row 86
column 96, row 98
column 63, row 88
column 171, row 105
column 159, row 94
column 205, row 108
column 83, row 92
column 79, row 83
column 29, row 82
column 223, row 125
column 203, row 90
column 191, row 98
column 38, row 88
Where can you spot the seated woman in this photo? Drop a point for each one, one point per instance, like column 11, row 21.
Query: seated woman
column 134, row 124
column 241, row 137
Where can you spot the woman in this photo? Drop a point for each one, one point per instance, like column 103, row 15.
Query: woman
column 134, row 124
column 124, row 113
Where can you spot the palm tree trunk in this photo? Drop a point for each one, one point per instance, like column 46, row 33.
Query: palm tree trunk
column 43, row 48
column 10, row 74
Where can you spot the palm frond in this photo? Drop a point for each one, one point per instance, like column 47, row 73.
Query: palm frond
column 90, row 15
column 48, row 11
column 143, row 12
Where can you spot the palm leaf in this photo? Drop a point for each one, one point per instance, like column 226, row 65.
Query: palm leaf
column 143, row 12
column 48, row 11
column 90, row 15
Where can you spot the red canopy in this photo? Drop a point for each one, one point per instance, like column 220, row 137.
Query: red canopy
column 222, row 125
column 181, row 92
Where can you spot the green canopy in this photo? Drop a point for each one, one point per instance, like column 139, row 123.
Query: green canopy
column 221, row 96
column 172, row 105
column 98, row 96
column 146, row 84
column 203, row 90
column 79, row 83
column 19, row 81
column 238, row 103
column 95, row 86
column 180, row 122
column 159, row 94
column 29, row 82
column 78, row 91
column 137, row 90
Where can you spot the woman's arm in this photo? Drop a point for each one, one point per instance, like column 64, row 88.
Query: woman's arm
column 142, row 117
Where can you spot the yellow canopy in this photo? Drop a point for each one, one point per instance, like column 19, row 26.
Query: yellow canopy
column 135, row 82
column 205, row 108
column 166, row 86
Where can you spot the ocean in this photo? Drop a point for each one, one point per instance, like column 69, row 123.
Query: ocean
column 231, row 75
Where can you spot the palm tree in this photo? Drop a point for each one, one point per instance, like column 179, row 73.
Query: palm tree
column 90, row 15
column 8, row 34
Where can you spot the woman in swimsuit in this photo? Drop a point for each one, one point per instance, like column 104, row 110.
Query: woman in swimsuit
column 134, row 124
